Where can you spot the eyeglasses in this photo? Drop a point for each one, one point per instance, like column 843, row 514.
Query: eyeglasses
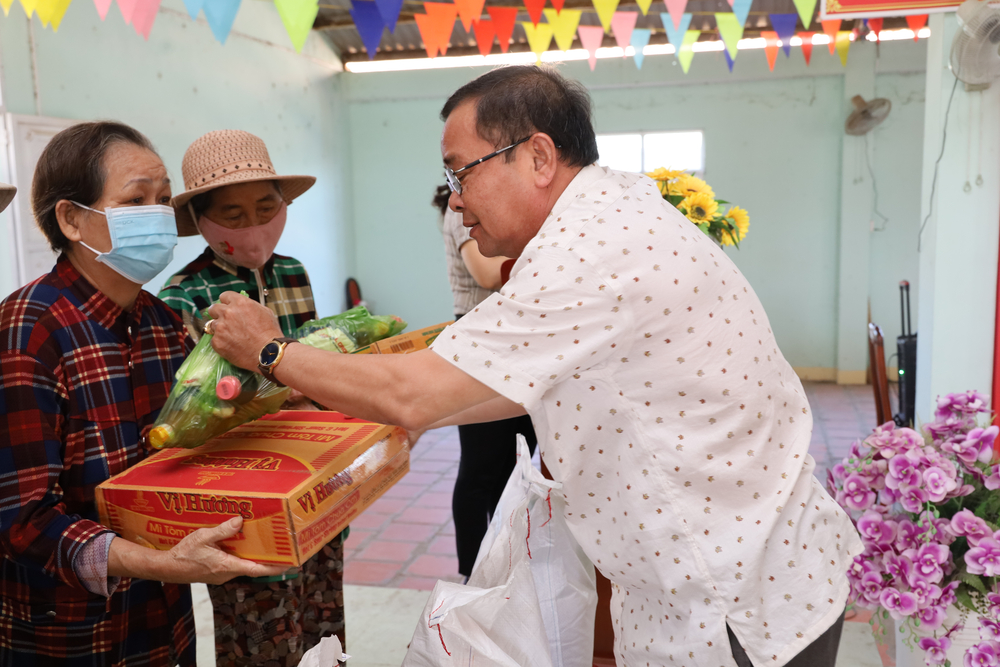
column 452, row 176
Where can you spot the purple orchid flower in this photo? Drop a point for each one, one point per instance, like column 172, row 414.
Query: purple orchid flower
column 935, row 649
column 899, row 605
column 984, row 654
column 858, row 495
column 968, row 525
column 989, row 630
column 984, row 558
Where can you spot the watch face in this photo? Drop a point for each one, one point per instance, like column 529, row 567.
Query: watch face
column 269, row 353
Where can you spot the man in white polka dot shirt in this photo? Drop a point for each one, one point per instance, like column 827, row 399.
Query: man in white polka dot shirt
column 661, row 401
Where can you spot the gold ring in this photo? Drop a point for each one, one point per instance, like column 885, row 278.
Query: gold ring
column 209, row 328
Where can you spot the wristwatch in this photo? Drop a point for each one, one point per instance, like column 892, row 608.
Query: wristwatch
column 270, row 357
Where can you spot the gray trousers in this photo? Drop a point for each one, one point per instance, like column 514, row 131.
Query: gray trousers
column 821, row 653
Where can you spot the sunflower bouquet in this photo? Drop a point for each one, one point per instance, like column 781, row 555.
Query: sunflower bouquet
column 696, row 200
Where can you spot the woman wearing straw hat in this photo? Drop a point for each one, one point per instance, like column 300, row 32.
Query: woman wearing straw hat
column 234, row 198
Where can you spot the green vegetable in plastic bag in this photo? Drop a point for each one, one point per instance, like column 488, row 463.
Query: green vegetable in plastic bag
column 349, row 331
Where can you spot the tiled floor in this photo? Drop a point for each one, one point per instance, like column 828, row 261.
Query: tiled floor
column 406, row 538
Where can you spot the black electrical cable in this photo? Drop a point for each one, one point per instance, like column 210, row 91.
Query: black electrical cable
column 871, row 174
column 944, row 140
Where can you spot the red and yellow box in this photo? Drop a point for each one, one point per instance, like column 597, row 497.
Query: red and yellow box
column 296, row 478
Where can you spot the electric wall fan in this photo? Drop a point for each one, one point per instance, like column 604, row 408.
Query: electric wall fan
column 975, row 52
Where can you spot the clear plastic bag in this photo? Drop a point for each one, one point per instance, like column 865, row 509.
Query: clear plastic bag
column 349, row 331
column 212, row 396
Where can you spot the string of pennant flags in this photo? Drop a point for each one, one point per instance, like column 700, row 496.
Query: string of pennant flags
column 297, row 16
column 561, row 25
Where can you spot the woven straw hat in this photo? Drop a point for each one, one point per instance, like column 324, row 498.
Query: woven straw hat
column 6, row 194
column 225, row 157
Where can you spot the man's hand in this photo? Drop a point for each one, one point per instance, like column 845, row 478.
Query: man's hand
column 241, row 328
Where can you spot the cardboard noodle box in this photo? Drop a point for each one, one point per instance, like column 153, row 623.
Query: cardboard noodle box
column 297, row 478
column 404, row 343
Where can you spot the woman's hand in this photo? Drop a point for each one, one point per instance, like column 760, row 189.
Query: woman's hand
column 197, row 558
column 298, row 401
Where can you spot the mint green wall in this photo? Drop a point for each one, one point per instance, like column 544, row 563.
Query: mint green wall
column 773, row 145
column 183, row 83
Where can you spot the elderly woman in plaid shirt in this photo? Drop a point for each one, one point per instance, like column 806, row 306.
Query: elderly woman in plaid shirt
column 87, row 362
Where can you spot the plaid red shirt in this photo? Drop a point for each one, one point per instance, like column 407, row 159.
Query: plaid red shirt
column 80, row 382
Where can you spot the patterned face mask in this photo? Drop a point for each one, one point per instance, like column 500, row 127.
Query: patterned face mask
column 249, row 247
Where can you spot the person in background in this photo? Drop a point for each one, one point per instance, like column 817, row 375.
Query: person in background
column 236, row 200
column 489, row 450
column 86, row 364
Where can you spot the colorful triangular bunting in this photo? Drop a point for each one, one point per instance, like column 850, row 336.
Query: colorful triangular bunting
column 443, row 15
column 875, row 25
column 843, row 44
column 6, row 4
column 298, row 17
column 741, row 8
column 729, row 61
column 102, row 7
column 428, row 34
column 29, row 7
column 591, row 37
column 605, row 12
column 485, row 33
column 564, row 26
column 43, row 10
column 389, row 11
column 622, row 25
column 127, row 8
column 731, row 31
column 144, row 16
column 539, row 37
column 558, row 5
column 644, row 6
column 469, row 11
column 770, row 46
column 51, row 12
column 640, row 38
column 534, row 8
column 915, row 23
column 675, row 35
column 807, row 45
column 686, row 53
column 504, row 19
column 806, row 9
column 676, row 10
column 220, row 15
column 784, row 25
column 368, row 21
column 830, row 29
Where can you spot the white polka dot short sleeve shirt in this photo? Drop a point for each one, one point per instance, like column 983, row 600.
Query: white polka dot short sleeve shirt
column 677, row 428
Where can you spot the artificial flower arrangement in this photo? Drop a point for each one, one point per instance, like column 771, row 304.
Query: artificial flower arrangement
column 927, row 508
column 696, row 200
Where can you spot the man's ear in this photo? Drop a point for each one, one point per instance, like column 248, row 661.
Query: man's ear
column 545, row 158
column 69, row 216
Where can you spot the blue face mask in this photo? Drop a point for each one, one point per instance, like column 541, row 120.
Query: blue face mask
column 142, row 240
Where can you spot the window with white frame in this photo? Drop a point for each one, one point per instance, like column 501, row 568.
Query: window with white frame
column 646, row 151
